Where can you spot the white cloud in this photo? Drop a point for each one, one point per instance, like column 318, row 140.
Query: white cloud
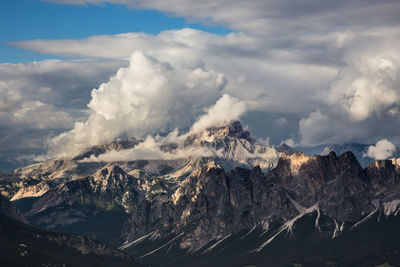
column 40, row 115
column 41, row 99
column 227, row 109
column 369, row 82
column 333, row 68
column 364, row 96
column 393, row 111
column 322, row 94
column 9, row 98
column 290, row 142
column 383, row 149
column 147, row 98
column 150, row 149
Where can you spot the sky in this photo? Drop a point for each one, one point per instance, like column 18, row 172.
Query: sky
column 75, row 73
column 36, row 19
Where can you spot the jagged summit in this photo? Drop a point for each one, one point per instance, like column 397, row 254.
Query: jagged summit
column 111, row 172
column 233, row 129
column 288, row 150
column 231, row 142
column 230, row 145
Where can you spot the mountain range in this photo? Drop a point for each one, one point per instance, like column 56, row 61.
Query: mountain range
column 243, row 204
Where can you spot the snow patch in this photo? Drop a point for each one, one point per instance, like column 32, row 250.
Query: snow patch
column 166, row 244
column 216, row 244
column 338, row 229
column 391, row 207
column 134, row 242
column 249, row 232
column 317, row 220
column 366, row 218
column 288, row 226
column 297, row 206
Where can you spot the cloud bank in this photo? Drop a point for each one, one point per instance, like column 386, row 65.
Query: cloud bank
column 146, row 98
column 150, row 149
column 225, row 110
column 364, row 96
column 41, row 99
column 309, row 71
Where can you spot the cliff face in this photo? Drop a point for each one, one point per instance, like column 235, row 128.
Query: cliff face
column 213, row 203
column 338, row 184
column 236, row 145
column 210, row 203
column 231, row 144
column 9, row 210
column 384, row 178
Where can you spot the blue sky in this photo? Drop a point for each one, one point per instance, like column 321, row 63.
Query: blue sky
column 35, row 19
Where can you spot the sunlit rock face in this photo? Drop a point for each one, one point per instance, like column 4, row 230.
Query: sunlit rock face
column 236, row 144
column 211, row 204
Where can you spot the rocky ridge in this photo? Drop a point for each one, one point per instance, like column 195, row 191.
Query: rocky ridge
column 196, row 203
column 233, row 147
column 212, row 203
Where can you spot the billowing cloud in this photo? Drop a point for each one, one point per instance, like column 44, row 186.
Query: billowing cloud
column 312, row 71
column 42, row 99
column 226, row 109
column 383, row 149
column 364, row 96
column 368, row 84
column 148, row 97
column 335, row 101
column 268, row 73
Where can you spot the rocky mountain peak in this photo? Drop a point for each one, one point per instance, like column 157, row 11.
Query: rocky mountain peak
column 236, row 146
column 110, row 171
column 233, row 129
column 294, row 161
column 348, row 155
